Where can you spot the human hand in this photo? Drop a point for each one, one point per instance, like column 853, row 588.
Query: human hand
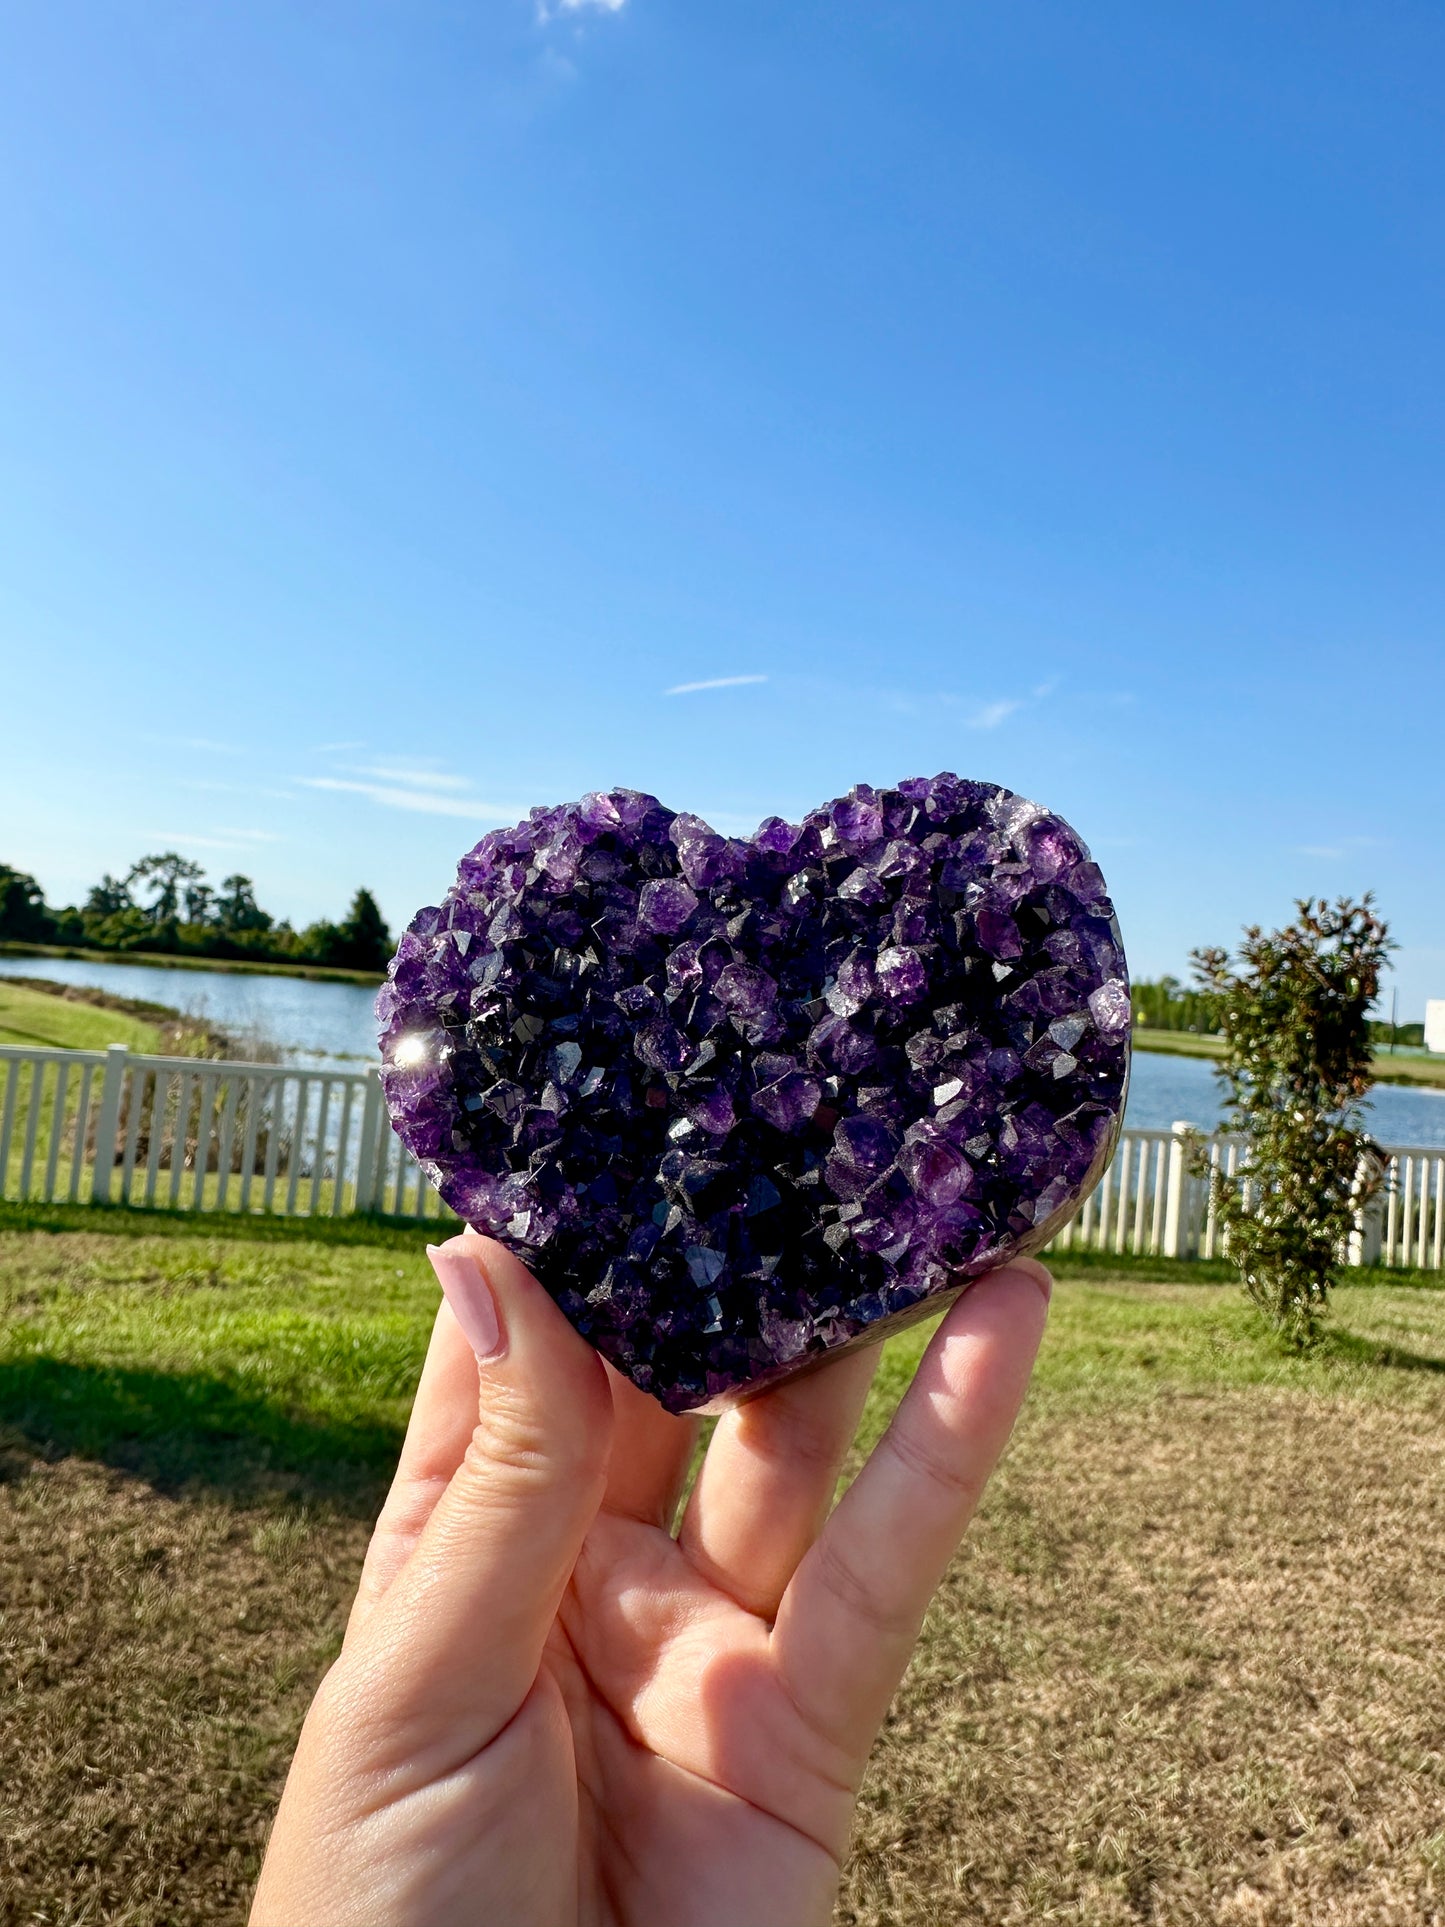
column 551, row 1712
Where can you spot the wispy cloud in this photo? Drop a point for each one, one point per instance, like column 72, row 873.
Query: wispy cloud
column 990, row 715
column 711, row 682
column 1347, row 846
column 421, row 801
column 413, row 776
column 235, row 789
column 218, row 840
column 554, row 9
column 973, row 714
column 202, row 743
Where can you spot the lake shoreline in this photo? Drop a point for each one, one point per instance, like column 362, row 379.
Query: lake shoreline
column 37, row 1012
column 1425, row 1073
column 178, row 960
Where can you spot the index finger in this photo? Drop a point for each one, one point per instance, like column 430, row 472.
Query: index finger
column 442, row 1420
column 848, row 1622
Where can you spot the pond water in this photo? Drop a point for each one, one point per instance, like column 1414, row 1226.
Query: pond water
column 310, row 1023
column 315, row 1024
column 1164, row 1090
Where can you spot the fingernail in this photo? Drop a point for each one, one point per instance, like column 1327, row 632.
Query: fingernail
column 470, row 1297
column 1040, row 1274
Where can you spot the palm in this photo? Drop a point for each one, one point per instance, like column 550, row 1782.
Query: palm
column 677, row 1728
column 554, row 1711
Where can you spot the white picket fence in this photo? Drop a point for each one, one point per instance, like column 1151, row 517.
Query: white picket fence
column 1152, row 1200
column 195, row 1134
column 112, row 1127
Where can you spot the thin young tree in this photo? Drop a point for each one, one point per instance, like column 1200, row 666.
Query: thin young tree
column 1296, row 1072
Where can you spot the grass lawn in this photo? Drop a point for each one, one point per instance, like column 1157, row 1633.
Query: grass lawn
column 1188, row 1668
column 74, row 1017
column 37, row 1017
column 36, row 1011
column 1391, row 1067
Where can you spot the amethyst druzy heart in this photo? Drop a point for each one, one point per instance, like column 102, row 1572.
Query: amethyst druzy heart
column 737, row 1103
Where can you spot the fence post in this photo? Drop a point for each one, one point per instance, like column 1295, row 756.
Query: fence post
column 368, row 1157
column 1355, row 1243
column 107, row 1123
column 1175, row 1228
column 1372, row 1182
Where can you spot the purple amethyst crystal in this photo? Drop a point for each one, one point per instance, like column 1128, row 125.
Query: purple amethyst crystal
column 740, row 1103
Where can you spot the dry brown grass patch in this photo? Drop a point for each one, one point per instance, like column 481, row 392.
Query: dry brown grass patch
column 1188, row 1670
column 158, row 1655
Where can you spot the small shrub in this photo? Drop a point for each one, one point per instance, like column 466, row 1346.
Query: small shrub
column 1297, row 1068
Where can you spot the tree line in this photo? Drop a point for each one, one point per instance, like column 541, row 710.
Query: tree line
column 164, row 903
column 1165, row 1004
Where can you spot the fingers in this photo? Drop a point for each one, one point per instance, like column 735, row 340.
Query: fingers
column 769, row 1477
column 848, row 1621
column 451, row 1650
column 442, row 1420
column 651, row 1452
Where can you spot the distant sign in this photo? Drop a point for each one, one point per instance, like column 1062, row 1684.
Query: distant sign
column 1435, row 1024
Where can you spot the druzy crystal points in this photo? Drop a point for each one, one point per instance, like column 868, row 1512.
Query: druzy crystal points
column 738, row 1103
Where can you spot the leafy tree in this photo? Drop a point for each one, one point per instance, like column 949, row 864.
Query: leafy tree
column 1165, row 1004
column 364, row 934
column 236, row 907
column 130, row 929
column 223, row 922
column 1296, row 1070
column 23, row 915
column 362, row 942
column 108, row 897
column 1411, row 1036
column 319, row 943
column 166, row 876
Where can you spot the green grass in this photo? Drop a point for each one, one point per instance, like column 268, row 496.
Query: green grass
column 1181, row 1673
column 175, row 960
column 1399, row 1068
column 243, row 1363
column 1121, row 1341
column 228, row 1348
column 1177, row 1043
column 32, row 1017
column 1389, row 1067
column 377, row 1232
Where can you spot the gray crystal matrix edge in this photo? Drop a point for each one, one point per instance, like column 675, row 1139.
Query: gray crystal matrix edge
column 744, row 1104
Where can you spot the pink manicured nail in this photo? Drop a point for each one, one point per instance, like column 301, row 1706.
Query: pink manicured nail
column 470, row 1297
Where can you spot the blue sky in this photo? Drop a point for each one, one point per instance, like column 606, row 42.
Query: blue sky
column 398, row 401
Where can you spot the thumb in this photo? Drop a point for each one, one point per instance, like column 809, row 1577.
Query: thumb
column 453, row 1649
